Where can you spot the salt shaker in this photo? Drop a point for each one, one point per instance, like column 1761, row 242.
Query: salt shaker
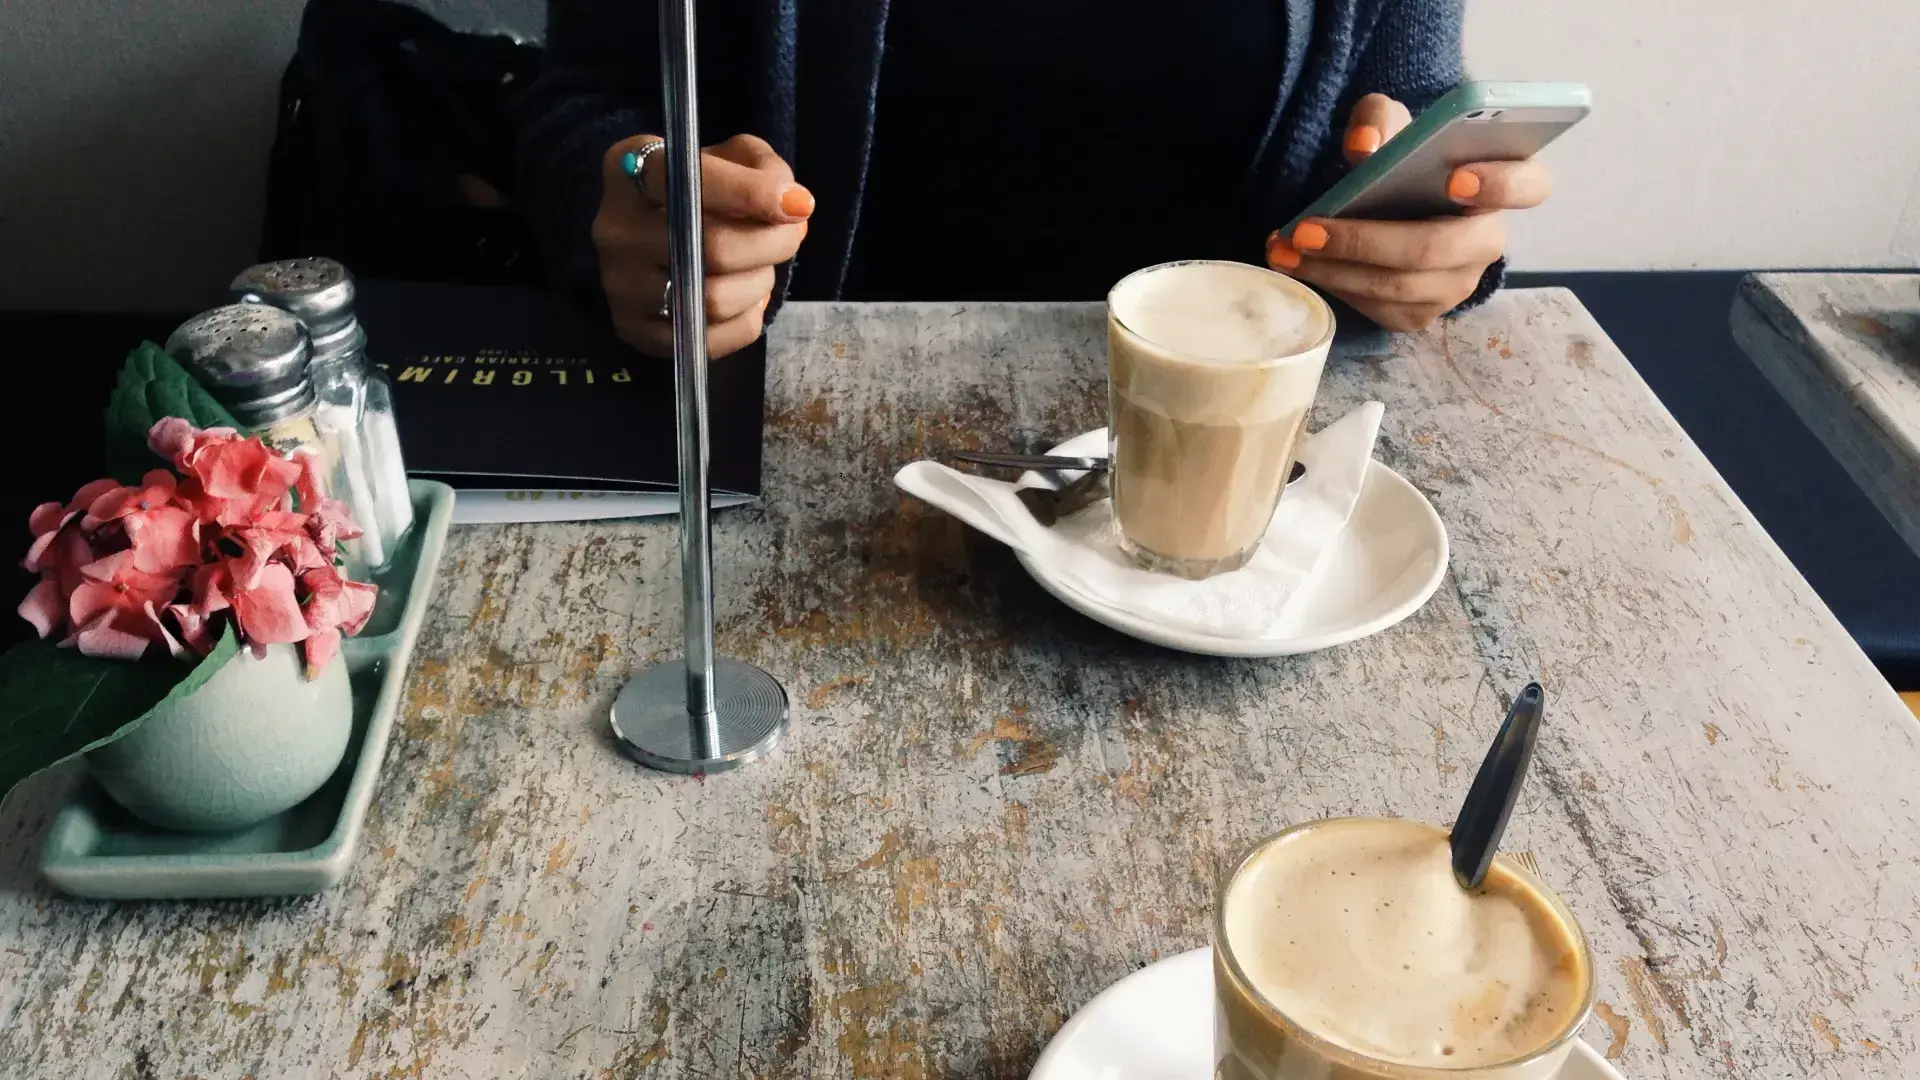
column 256, row 361
column 355, row 407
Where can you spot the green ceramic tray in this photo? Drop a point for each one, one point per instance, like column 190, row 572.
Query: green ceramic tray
column 97, row 849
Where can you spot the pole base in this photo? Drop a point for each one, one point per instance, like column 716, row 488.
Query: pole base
column 750, row 718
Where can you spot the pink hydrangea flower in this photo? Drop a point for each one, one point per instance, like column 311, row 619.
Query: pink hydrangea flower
column 328, row 520
column 230, row 479
column 336, row 602
column 59, row 552
column 207, row 597
column 164, row 536
column 154, row 491
column 48, row 521
column 173, row 438
column 60, row 545
column 335, row 606
column 169, row 560
column 113, row 611
column 267, row 609
column 278, row 534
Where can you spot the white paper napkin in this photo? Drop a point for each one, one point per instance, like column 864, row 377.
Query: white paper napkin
column 1244, row 603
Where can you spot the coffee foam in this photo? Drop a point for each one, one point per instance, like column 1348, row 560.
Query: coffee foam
column 1228, row 313
column 1357, row 932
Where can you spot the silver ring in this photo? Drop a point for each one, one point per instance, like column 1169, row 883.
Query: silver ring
column 636, row 168
column 666, row 302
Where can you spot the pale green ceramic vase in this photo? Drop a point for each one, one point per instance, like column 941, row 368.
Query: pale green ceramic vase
column 256, row 739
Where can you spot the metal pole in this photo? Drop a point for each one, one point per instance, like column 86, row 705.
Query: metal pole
column 685, row 262
column 703, row 713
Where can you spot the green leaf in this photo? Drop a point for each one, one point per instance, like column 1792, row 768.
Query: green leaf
column 153, row 386
column 195, row 403
column 126, row 458
column 56, row 703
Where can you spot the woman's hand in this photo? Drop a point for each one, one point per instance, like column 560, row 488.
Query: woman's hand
column 755, row 217
column 1405, row 274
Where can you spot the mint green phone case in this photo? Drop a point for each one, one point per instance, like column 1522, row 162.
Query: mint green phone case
column 1477, row 121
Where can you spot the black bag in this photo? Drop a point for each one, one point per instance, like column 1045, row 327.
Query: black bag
column 394, row 148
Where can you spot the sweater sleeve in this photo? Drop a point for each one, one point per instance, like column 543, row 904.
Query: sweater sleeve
column 1413, row 53
column 600, row 83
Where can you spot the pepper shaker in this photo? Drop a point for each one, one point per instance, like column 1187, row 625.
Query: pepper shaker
column 355, row 399
column 255, row 362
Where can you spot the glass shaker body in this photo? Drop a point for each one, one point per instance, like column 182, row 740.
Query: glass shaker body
column 383, row 440
column 355, row 400
column 307, row 432
column 355, row 413
column 342, row 402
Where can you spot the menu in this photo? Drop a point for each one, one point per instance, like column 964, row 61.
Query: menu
column 531, row 408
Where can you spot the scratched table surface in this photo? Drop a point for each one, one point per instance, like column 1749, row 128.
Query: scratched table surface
column 991, row 808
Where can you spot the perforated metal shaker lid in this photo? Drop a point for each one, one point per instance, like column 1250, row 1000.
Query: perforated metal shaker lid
column 318, row 292
column 252, row 357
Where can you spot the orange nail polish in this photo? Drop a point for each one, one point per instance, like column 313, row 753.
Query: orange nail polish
column 796, row 201
column 1462, row 185
column 1281, row 256
column 1309, row 236
column 1364, row 139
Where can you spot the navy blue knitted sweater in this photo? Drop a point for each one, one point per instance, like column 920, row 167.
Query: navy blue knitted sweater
column 803, row 74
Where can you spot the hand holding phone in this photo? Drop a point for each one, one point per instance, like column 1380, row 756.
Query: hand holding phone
column 1408, row 235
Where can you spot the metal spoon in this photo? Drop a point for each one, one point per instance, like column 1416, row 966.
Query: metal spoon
column 1048, row 506
column 1060, row 463
column 1489, row 803
column 1054, row 462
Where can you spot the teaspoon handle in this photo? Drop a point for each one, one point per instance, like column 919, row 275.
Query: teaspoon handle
column 1496, row 787
column 1061, row 463
column 1054, row 462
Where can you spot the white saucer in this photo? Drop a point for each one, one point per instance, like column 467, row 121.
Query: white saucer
column 1157, row 1024
column 1381, row 569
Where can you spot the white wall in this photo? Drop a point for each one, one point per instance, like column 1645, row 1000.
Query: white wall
column 133, row 142
column 132, row 146
column 1725, row 133
column 133, row 136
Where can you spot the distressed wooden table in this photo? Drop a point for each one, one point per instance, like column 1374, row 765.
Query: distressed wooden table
column 991, row 808
column 1844, row 350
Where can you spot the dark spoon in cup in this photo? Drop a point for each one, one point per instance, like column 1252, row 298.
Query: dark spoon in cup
column 1489, row 803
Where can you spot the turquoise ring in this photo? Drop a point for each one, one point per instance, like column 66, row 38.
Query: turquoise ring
column 634, row 162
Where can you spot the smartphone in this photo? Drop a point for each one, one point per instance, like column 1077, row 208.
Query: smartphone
column 1477, row 121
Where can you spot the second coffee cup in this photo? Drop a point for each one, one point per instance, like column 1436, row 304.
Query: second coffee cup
column 1212, row 369
column 1344, row 950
